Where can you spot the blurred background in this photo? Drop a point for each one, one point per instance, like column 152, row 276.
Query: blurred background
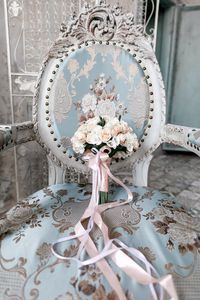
column 28, row 28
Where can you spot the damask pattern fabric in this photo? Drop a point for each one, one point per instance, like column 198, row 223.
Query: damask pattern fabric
column 153, row 223
column 94, row 81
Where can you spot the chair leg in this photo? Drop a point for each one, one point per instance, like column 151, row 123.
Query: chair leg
column 56, row 174
column 140, row 171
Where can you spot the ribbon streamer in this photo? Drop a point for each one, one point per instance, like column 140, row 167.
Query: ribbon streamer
column 112, row 247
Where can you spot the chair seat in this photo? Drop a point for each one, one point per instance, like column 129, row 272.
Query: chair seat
column 153, row 223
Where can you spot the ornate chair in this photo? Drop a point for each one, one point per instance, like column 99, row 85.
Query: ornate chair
column 101, row 54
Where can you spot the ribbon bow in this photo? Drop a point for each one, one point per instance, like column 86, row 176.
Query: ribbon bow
column 112, row 247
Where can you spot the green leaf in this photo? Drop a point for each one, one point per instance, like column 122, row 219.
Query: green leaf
column 118, row 148
column 100, row 146
column 102, row 122
column 113, row 151
column 90, row 146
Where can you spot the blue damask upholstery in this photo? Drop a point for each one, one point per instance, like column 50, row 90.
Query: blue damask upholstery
column 98, row 80
column 153, row 223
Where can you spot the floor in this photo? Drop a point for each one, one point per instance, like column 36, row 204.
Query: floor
column 178, row 173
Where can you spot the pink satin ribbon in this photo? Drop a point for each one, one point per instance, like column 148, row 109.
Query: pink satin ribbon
column 112, row 247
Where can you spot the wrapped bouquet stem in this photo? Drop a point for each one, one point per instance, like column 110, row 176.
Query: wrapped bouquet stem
column 104, row 185
column 103, row 197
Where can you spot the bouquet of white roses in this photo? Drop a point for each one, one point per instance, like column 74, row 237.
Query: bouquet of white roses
column 107, row 131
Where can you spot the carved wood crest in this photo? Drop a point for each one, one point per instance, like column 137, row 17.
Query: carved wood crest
column 101, row 23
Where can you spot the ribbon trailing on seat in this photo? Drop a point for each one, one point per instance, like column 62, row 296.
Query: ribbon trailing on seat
column 113, row 248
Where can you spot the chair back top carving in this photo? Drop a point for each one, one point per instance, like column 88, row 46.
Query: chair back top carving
column 102, row 63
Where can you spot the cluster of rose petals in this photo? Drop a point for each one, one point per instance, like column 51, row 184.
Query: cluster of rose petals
column 115, row 132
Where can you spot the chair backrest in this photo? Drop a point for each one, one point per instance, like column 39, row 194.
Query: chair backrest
column 101, row 63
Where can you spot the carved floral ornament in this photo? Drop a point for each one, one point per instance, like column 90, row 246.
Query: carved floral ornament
column 14, row 8
column 103, row 23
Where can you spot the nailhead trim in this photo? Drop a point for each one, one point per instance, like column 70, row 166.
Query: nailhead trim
column 132, row 52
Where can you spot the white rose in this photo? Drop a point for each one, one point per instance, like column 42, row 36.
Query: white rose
column 92, row 123
column 129, row 147
column 125, row 128
column 122, row 138
column 117, row 129
column 78, row 147
column 105, row 108
column 88, row 103
column 105, row 135
column 131, row 141
column 112, row 122
column 80, row 135
column 94, row 137
column 74, row 140
column 114, row 142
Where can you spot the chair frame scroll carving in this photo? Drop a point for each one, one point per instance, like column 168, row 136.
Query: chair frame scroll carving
column 11, row 135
